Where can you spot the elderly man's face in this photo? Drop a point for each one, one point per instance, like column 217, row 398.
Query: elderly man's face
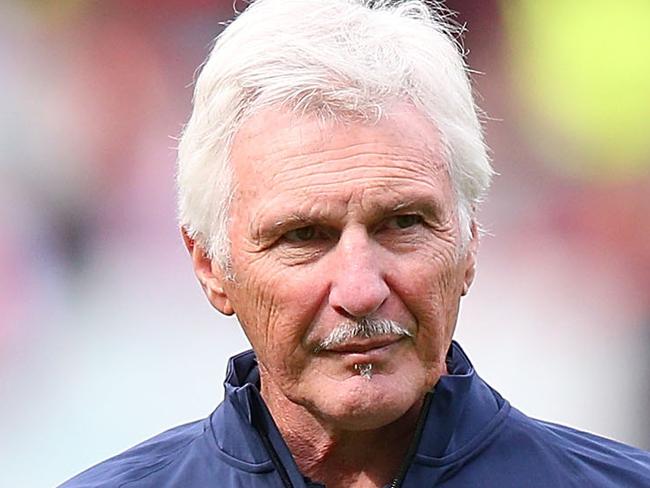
column 334, row 223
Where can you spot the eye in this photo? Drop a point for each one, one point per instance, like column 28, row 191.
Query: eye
column 404, row 221
column 303, row 234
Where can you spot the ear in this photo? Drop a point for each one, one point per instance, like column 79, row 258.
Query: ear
column 470, row 258
column 209, row 274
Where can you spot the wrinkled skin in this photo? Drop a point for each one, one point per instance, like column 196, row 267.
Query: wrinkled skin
column 335, row 222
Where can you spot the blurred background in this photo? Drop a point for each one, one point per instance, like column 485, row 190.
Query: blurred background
column 105, row 337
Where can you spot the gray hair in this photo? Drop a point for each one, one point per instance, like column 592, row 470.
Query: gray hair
column 341, row 60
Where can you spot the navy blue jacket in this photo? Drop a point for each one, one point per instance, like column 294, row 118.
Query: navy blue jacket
column 468, row 436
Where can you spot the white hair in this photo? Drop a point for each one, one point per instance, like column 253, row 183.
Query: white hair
column 341, row 60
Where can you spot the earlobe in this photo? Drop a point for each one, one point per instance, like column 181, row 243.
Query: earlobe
column 218, row 297
column 470, row 259
column 209, row 274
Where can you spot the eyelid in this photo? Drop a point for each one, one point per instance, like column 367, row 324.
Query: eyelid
column 320, row 233
column 277, row 230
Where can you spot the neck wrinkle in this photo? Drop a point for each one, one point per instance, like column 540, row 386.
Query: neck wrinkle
column 337, row 458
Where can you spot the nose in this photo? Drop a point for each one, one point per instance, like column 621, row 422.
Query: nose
column 358, row 288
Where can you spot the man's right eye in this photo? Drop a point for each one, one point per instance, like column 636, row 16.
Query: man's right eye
column 303, row 234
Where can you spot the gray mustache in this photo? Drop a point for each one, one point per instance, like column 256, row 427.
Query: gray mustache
column 364, row 328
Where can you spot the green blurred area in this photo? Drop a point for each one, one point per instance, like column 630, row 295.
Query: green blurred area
column 583, row 68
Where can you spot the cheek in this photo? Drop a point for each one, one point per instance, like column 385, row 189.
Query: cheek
column 276, row 309
column 431, row 277
column 255, row 303
column 432, row 294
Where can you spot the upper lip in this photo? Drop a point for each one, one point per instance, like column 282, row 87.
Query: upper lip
column 361, row 345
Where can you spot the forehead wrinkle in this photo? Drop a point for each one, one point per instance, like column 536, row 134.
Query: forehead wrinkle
column 309, row 190
column 292, row 151
column 405, row 162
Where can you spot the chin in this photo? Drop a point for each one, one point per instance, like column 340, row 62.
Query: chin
column 364, row 404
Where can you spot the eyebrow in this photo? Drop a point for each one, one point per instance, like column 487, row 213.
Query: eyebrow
column 267, row 229
column 292, row 219
column 431, row 207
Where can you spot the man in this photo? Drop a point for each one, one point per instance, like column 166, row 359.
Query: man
column 328, row 183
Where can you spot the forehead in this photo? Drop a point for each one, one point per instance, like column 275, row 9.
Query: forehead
column 283, row 160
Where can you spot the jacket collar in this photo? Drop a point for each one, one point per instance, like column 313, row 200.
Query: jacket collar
column 462, row 405
column 461, row 410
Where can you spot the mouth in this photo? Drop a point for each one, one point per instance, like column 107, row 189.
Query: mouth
column 364, row 345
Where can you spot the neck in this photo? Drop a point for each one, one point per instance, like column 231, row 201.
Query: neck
column 339, row 457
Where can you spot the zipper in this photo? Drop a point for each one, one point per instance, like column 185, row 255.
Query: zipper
column 284, row 476
column 419, row 426
column 260, row 427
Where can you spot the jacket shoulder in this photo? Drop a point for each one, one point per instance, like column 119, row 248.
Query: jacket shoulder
column 141, row 461
column 592, row 459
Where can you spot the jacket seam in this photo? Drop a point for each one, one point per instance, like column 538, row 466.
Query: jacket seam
column 170, row 460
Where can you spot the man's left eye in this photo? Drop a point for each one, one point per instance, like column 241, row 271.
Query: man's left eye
column 404, row 221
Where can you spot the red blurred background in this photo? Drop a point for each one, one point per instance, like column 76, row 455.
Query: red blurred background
column 105, row 338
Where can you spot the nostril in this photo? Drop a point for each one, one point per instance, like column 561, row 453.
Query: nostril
column 343, row 312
